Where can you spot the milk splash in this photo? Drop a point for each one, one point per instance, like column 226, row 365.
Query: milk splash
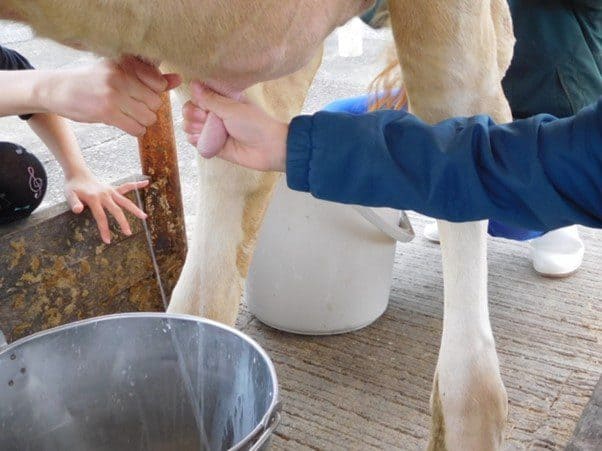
column 194, row 399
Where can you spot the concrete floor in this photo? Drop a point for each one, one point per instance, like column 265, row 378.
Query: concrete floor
column 370, row 389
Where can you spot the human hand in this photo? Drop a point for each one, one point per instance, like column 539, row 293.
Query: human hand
column 85, row 190
column 255, row 139
column 125, row 94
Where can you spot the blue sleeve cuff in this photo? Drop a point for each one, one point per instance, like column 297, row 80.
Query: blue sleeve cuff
column 299, row 150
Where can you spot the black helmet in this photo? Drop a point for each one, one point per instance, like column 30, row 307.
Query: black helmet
column 22, row 182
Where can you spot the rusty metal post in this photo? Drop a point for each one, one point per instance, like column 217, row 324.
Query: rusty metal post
column 159, row 160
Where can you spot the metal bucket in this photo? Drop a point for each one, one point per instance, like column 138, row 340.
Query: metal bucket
column 147, row 381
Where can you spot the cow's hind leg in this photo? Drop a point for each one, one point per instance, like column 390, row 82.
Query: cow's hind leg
column 231, row 205
column 453, row 54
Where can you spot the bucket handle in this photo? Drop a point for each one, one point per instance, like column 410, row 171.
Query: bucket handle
column 269, row 430
column 403, row 233
column 3, row 342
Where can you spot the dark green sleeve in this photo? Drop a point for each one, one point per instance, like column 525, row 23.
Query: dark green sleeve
column 592, row 4
column 376, row 17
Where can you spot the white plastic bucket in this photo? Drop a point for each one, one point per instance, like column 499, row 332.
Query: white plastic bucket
column 323, row 268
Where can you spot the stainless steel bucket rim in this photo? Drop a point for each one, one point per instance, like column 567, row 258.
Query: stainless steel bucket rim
column 269, row 420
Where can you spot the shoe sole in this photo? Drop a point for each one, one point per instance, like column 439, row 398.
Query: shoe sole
column 557, row 276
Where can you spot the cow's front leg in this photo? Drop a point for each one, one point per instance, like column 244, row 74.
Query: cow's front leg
column 468, row 402
column 453, row 55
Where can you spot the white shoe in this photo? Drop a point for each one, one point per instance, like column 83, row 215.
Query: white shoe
column 431, row 232
column 558, row 253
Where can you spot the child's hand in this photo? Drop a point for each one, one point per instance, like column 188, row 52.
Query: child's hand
column 256, row 140
column 125, row 94
column 85, row 189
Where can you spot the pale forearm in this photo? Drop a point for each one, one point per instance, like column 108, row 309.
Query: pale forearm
column 56, row 133
column 24, row 91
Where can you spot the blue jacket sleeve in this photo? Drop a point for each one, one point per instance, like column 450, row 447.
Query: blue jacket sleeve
column 540, row 173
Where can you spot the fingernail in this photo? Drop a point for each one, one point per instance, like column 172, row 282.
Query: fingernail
column 128, row 232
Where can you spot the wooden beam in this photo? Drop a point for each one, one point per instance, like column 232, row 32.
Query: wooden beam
column 57, row 270
column 159, row 160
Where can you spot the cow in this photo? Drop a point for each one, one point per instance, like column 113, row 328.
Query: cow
column 453, row 55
